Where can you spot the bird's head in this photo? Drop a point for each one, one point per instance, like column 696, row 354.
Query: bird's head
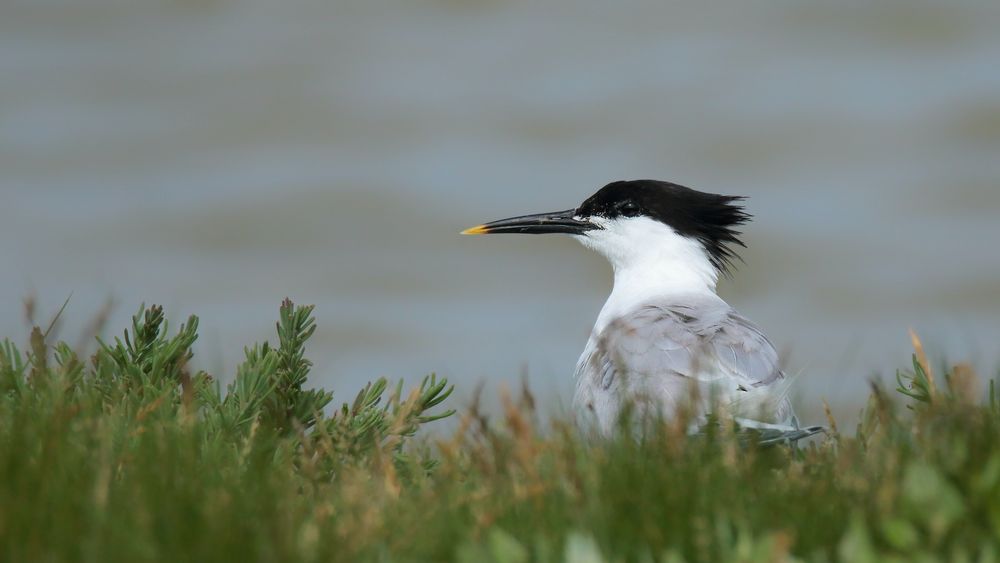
column 630, row 221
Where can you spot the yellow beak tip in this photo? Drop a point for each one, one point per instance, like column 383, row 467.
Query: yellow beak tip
column 477, row 230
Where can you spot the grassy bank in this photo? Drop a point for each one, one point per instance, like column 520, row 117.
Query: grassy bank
column 131, row 455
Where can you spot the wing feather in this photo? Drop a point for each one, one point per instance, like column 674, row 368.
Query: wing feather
column 659, row 350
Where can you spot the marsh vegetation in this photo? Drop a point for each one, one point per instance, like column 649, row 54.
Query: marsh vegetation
column 127, row 453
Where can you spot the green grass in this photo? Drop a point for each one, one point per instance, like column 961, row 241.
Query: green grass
column 130, row 455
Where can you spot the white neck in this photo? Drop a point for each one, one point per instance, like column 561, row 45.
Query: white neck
column 650, row 261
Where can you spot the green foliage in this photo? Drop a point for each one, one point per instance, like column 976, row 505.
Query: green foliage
column 134, row 456
column 915, row 384
column 288, row 404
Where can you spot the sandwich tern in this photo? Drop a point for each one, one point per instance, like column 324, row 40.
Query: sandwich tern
column 664, row 329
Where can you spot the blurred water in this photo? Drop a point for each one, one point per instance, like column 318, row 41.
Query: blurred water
column 218, row 155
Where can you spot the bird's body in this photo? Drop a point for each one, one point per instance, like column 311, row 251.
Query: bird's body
column 664, row 337
column 685, row 350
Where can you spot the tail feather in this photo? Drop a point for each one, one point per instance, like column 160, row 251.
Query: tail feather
column 770, row 434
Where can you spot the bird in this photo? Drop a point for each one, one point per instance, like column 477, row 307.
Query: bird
column 664, row 337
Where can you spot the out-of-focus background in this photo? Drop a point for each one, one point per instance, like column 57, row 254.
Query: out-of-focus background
column 217, row 155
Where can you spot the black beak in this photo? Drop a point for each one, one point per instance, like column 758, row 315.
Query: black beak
column 542, row 223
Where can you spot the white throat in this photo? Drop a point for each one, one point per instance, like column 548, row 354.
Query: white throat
column 650, row 261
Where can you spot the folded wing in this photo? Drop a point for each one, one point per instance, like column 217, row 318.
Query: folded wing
column 657, row 353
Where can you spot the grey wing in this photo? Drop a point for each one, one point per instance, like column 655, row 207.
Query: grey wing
column 648, row 356
column 744, row 351
column 651, row 341
column 660, row 351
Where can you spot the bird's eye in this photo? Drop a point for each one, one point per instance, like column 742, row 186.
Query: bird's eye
column 627, row 207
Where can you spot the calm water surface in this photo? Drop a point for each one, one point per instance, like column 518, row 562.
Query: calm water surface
column 216, row 156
